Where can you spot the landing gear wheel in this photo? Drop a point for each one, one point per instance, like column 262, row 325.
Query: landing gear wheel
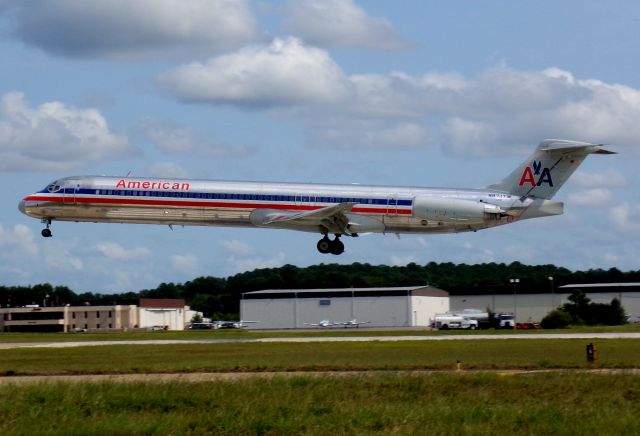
column 46, row 232
column 324, row 245
column 337, row 247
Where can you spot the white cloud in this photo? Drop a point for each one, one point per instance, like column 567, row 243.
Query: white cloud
column 18, row 240
column 184, row 263
column 370, row 135
column 115, row 251
column 498, row 111
column 412, row 246
column 469, row 137
column 130, row 29
column 286, row 72
column 402, row 260
column 504, row 107
column 340, row 23
column 63, row 260
column 175, row 139
column 251, row 263
column 167, row 170
column 606, row 179
column 626, row 218
column 238, row 248
column 53, row 137
column 597, row 197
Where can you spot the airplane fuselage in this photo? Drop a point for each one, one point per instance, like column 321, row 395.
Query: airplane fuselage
column 215, row 203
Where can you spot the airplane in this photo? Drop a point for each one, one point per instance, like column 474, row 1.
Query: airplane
column 232, row 324
column 327, row 209
column 323, row 323
column 352, row 323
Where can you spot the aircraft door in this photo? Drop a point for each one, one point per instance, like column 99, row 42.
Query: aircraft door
column 392, row 205
column 69, row 192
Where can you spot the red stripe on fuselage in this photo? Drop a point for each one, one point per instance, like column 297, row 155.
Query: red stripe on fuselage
column 212, row 204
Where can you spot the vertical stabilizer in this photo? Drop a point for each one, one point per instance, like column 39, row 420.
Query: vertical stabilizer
column 546, row 170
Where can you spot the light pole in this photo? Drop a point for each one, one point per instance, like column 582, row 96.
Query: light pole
column 515, row 282
column 553, row 306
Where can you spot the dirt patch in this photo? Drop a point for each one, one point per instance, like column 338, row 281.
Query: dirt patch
column 199, row 377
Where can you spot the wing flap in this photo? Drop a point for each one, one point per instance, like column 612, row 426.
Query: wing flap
column 311, row 215
column 330, row 219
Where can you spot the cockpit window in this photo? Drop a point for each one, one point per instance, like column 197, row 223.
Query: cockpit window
column 54, row 187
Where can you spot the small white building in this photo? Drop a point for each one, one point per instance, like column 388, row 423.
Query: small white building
column 169, row 314
column 411, row 306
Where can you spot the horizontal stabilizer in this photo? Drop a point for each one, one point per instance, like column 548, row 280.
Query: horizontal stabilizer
column 566, row 146
column 547, row 169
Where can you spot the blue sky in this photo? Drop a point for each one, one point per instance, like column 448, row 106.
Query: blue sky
column 402, row 93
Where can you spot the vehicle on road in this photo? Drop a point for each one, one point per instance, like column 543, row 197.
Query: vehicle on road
column 446, row 321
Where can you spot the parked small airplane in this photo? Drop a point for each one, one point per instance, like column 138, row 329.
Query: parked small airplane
column 323, row 323
column 340, row 210
column 231, row 324
column 353, row 323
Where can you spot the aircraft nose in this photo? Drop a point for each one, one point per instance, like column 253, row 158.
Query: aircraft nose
column 21, row 206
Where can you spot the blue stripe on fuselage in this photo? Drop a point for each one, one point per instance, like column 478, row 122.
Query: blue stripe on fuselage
column 238, row 196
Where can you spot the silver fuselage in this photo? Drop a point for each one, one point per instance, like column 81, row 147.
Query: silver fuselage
column 223, row 203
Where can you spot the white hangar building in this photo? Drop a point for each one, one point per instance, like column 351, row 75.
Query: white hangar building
column 378, row 307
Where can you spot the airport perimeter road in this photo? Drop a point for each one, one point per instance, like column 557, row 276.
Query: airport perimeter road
column 7, row 346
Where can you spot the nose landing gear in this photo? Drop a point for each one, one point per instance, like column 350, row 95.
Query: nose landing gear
column 46, row 232
column 326, row 245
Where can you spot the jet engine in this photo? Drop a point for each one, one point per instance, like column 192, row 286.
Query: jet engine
column 455, row 210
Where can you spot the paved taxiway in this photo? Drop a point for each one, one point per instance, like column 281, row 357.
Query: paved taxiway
column 587, row 336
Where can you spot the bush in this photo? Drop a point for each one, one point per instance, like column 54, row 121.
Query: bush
column 556, row 319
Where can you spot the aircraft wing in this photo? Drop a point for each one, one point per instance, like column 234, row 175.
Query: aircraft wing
column 333, row 218
column 314, row 215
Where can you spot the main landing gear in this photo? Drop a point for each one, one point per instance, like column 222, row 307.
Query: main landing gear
column 326, row 245
column 46, row 232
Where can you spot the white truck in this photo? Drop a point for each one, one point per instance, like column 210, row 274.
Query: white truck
column 446, row 321
column 503, row 320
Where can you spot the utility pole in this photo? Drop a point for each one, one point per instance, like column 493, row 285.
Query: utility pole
column 515, row 282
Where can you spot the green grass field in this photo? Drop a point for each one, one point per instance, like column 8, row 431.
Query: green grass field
column 441, row 403
column 324, row 356
column 384, row 394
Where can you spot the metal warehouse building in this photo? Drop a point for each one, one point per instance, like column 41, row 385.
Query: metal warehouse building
column 379, row 307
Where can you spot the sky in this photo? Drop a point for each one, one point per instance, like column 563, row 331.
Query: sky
column 410, row 93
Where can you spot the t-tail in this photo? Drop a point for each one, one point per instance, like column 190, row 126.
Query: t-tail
column 547, row 169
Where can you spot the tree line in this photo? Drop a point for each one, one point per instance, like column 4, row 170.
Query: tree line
column 220, row 297
column 581, row 310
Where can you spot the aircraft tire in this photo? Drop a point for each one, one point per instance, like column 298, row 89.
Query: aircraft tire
column 337, row 247
column 324, row 245
column 46, row 233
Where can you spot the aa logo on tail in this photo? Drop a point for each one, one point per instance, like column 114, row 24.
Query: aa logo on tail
column 535, row 170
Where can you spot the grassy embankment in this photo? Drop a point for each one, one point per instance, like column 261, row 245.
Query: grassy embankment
column 364, row 403
column 441, row 403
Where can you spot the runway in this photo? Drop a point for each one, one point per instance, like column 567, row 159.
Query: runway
column 463, row 337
